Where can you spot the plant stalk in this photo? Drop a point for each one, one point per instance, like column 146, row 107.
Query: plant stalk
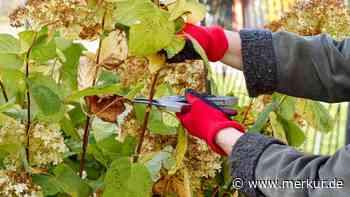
column 146, row 117
column 245, row 115
column 4, row 91
column 28, row 125
column 88, row 118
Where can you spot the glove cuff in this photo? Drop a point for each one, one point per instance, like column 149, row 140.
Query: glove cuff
column 214, row 131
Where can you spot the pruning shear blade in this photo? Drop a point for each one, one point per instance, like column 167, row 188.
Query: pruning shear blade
column 179, row 103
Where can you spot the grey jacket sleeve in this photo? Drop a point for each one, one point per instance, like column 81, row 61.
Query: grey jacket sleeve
column 311, row 67
column 266, row 167
column 315, row 67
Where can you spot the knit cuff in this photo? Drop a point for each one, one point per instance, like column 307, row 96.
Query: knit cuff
column 244, row 159
column 259, row 61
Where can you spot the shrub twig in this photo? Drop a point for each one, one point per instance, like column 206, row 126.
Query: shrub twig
column 146, row 117
column 4, row 91
column 88, row 118
column 28, row 125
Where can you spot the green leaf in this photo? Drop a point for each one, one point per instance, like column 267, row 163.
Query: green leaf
column 262, row 119
column 115, row 149
column 50, row 105
column 110, row 89
column 47, row 97
column 107, row 78
column 103, row 130
column 9, row 44
column 176, row 45
column 94, row 150
column 13, row 80
column 130, row 12
column 295, row 136
column 43, row 51
column 49, row 184
column 154, row 33
column 37, row 79
column 155, row 123
column 9, row 105
column 26, row 40
column 126, row 179
column 135, row 90
column 316, row 115
column 155, row 161
column 150, row 28
column 69, row 69
column 70, row 182
column 277, row 127
column 68, row 128
column 110, row 147
column 11, row 61
column 287, row 107
column 181, row 149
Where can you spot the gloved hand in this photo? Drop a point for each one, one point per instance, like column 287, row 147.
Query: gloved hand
column 204, row 120
column 212, row 39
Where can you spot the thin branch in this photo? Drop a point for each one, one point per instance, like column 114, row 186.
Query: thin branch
column 88, row 119
column 28, row 125
column 4, row 91
column 85, row 145
column 146, row 117
column 206, row 79
column 246, row 112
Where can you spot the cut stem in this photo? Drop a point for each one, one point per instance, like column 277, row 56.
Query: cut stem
column 146, row 117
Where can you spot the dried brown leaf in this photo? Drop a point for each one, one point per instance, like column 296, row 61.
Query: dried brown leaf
column 107, row 107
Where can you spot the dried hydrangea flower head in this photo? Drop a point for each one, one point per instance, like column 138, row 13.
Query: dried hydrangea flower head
column 314, row 17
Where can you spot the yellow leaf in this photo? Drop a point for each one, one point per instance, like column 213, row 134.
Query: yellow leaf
column 192, row 9
column 181, row 149
column 156, row 62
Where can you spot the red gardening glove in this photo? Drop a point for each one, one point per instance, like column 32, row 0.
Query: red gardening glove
column 204, row 120
column 212, row 39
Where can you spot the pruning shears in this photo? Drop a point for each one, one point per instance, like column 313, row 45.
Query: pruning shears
column 178, row 104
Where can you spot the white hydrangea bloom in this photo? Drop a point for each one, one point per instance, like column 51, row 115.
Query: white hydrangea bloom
column 46, row 144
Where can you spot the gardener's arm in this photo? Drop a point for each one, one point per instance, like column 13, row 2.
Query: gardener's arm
column 255, row 157
column 316, row 67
